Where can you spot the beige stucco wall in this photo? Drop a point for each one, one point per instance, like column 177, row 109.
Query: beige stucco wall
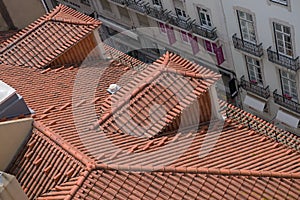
column 12, row 135
column 11, row 188
column 24, row 12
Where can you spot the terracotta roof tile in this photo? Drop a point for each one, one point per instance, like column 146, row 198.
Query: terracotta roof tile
column 240, row 166
column 48, row 37
column 44, row 165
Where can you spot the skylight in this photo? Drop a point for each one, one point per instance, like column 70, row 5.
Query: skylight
column 5, row 91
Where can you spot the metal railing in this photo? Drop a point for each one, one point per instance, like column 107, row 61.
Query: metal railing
column 184, row 23
column 285, row 102
column 121, row 2
column 254, row 49
column 167, row 16
column 205, row 32
column 159, row 14
column 138, row 5
column 285, row 61
column 255, row 88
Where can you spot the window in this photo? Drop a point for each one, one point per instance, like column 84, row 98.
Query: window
column 288, row 82
column 180, row 13
column 283, row 39
column 246, row 26
column 254, row 71
column 86, row 2
column 204, row 16
column 157, row 2
column 283, row 2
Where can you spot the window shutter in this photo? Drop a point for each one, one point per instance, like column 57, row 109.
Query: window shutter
column 162, row 27
column 208, row 45
column 220, row 55
column 171, row 34
column 194, row 44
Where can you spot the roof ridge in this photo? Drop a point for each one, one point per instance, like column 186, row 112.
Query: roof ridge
column 65, row 9
column 62, row 143
column 198, row 170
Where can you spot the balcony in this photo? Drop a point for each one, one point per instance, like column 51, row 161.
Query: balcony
column 254, row 88
column 160, row 14
column 254, row 49
column 138, row 5
column 121, row 2
column 184, row 23
column 285, row 61
column 286, row 103
column 204, row 32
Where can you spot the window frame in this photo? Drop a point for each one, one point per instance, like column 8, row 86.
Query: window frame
column 252, row 37
column 283, row 40
column 254, row 69
column 294, row 95
column 281, row 2
column 206, row 13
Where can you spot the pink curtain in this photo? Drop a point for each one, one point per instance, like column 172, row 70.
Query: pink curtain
column 171, row 34
column 194, row 44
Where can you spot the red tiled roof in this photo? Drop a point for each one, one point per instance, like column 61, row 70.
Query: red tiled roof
column 244, row 162
column 162, row 84
column 48, row 37
column 43, row 164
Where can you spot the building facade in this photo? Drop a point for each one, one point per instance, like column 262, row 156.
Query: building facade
column 192, row 29
column 253, row 50
column 265, row 48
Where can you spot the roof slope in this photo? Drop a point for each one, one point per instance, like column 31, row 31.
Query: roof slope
column 245, row 158
column 43, row 164
column 48, row 37
column 173, row 91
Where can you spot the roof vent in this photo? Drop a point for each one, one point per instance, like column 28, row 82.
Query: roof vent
column 113, row 88
column 11, row 103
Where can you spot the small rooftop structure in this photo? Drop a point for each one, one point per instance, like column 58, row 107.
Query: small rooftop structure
column 11, row 103
column 10, row 188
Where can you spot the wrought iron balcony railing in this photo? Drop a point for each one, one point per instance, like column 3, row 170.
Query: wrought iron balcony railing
column 121, row 2
column 254, row 49
column 160, row 14
column 204, row 32
column 184, row 23
column 138, row 5
column 286, row 102
column 255, row 88
column 285, row 61
column 167, row 16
